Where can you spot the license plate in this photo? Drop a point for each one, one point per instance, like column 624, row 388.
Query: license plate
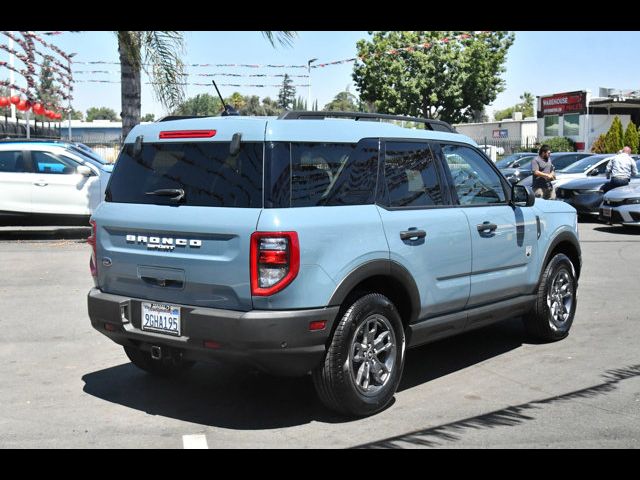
column 606, row 212
column 161, row 318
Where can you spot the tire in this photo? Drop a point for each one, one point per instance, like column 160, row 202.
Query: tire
column 364, row 361
column 552, row 315
column 164, row 368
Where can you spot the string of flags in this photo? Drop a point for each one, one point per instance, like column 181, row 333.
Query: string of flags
column 199, row 84
column 26, row 41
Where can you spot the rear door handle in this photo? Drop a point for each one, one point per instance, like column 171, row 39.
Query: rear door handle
column 487, row 227
column 411, row 234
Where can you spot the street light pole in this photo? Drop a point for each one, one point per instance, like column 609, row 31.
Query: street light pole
column 309, row 80
column 69, row 92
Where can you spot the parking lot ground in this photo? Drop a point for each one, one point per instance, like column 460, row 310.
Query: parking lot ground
column 63, row 385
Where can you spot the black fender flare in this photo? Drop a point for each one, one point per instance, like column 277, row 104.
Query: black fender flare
column 562, row 237
column 374, row 268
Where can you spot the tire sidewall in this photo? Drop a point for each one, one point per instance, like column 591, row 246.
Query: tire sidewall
column 557, row 263
column 362, row 309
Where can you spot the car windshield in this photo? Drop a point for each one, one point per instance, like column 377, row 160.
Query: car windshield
column 88, row 154
column 507, row 161
column 581, row 166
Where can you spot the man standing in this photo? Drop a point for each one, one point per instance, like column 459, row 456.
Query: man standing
column 543, row 174
column 620, row 169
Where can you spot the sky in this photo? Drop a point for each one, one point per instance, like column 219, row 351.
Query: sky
column 540, row 62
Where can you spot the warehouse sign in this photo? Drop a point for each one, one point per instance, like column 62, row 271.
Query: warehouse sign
column 561, row 103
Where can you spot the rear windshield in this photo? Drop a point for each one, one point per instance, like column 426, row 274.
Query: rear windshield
column 207, row 173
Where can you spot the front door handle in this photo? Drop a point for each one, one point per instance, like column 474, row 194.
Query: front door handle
column 412, row 234
column 41, row 184
column 487, row 227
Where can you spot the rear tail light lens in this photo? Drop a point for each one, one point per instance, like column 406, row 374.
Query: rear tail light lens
column 275, row 261
column 92, row 240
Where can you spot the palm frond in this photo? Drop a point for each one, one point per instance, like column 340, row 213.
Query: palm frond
column 163, row 51
column 284, row 38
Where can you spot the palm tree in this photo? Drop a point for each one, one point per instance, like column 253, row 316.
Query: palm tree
column 161, row 51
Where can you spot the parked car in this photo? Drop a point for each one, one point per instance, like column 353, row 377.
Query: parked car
column 323, row 245
column 49, row 183
column 622, row 206
column 585, row 194
column 560, row 160
column 514, row 160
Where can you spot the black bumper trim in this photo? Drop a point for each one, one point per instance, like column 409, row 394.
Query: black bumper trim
column 277, row 341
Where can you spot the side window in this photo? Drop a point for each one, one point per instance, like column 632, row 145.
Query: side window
column 602, row 167
column 50, row 163
column 474, row 181
column 13, row 162
column 410, row 175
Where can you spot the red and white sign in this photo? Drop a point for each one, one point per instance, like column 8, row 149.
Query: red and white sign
column 561, row 103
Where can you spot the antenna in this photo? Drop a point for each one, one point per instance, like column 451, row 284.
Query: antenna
column 228, row 109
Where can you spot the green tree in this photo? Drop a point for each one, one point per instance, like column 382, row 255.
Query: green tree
column 342, row 102
column 252, row 107
column 614, row 137
column 271, row 107
column 159, row 54
column 447, row 80
column 526, row 107
column 631, row 137
column 101, row 113
column 236, row 100
column 203, row 105
column 287, row 93
column 45, row 90
column 561, row 144
column 600, row 145
column 149, row 117
column 76, row 115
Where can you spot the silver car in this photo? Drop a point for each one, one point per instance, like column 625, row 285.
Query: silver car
column 621, row 206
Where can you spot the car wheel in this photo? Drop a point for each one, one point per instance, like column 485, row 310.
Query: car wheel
column 555, row 306
column 364, row 361
column 164, row 367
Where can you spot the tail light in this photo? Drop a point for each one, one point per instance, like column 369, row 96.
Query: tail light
column 92, row 240
column 275, row 261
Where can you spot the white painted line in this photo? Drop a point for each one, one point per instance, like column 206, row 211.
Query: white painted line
column 195, row 442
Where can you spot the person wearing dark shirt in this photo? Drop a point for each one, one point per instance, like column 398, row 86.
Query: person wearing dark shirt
column 543, row 174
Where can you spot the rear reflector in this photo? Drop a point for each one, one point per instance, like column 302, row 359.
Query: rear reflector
column 317, row 325
column 211, row 344
column 187, row 134
column 110, row 327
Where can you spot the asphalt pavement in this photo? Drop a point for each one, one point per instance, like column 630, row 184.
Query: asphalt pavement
column 63, row 385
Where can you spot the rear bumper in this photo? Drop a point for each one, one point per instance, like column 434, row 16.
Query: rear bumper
column 278, row 342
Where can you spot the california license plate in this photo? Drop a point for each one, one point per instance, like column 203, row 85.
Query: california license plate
column 606, row 212
column 161, row 318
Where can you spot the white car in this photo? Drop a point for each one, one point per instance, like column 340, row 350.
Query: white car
column 622, row 206
column 45, row 181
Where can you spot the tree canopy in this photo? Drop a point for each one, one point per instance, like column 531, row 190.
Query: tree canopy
column 343, row 102
column 101, row 113
column 526, row 107
column 431, row 74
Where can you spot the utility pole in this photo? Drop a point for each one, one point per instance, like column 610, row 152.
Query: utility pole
column 309, row 87
column 69, row 92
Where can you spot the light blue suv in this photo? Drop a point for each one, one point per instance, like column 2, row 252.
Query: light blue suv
column 326, row 245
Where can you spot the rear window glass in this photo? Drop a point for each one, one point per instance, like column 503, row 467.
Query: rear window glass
column 209, row 175
column 313, row 174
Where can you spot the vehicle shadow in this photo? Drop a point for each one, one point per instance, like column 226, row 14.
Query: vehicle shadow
column 619, row 229
column 428, row 362
column 44, row 233
column 241, row 398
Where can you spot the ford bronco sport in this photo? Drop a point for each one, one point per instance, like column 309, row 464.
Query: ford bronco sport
column 326, row 245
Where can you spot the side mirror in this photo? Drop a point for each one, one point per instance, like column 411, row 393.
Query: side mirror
column 594, row 172
column 84, row 170
column 522, row 196
column 516, row 165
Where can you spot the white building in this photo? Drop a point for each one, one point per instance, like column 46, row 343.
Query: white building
column 508, row 133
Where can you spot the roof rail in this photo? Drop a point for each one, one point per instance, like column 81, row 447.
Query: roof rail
column 430, row 124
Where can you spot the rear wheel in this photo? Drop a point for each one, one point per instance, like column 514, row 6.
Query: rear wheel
column 164, row 367
column 552, row 316
column 363, row 364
